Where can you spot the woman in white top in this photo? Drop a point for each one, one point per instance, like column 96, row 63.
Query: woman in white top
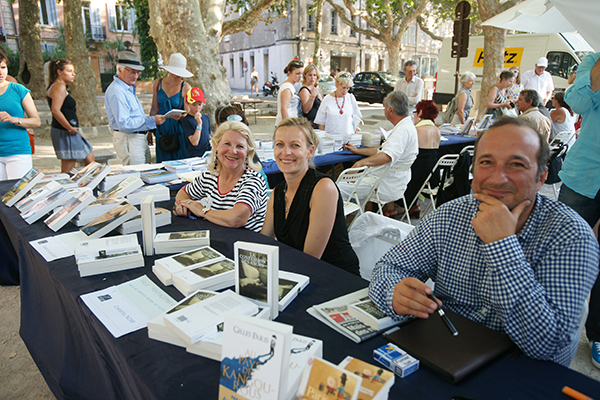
column 288, row 101
column 563, row 118
column 339, row 112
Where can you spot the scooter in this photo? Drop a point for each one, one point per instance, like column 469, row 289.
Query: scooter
column 271, row 87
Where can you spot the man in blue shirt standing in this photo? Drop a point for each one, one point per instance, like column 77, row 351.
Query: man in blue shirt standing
column 505, row 257
column 125, row 113
column 580, row 172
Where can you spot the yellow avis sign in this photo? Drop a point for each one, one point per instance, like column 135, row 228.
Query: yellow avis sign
column 512, row 57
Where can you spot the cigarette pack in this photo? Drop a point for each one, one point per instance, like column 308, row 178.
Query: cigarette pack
column 396, row 359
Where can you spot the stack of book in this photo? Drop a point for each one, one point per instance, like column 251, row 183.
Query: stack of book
column 23, row 185
column 176, row 166
column 290, row 285
column 338, row 138
column 80, row 173
column 122, row 188
column 323, row 380
column 354, row 139
column 110, row 220
column 164, row 268
column 48, row 204
column 94, row 176
column 162, row 217
column 159, row 192
column 99, row 256
column 376, row 381
column 63, row 214
column 214, row 276
column 366, row 311
column 62, row 179
column 179, row 242
column 96, row 209
column 327, row 146
column 37, row 195
column 370, row 139
column 116, row 176
column 157, row 176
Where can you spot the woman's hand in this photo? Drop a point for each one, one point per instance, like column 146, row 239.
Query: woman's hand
column 193, row 207
column 74, row 131
column 179, row 210
column 6, row 117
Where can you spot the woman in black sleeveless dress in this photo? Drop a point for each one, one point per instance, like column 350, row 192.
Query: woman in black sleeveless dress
column 310, row 94
column 306, row 210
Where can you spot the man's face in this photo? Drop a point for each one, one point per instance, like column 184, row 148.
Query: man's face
column 129, row 75
column 386, row 111
column 410, row 72
column 505, row 165
column 523, row 105
column 539, row 70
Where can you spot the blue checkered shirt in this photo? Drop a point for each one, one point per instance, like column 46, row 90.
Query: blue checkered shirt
column 531, row 286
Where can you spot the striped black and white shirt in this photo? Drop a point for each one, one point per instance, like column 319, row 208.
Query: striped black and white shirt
column 250, row 190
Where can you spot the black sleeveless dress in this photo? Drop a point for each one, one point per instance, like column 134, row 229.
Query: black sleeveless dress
column 292, row 231
column 312, row 114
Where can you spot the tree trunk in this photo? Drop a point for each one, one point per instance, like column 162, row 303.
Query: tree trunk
column 84, row 87
column 182, row 26
column 318, row 27
column 31, row 69
column 493, row 52
column 394, row 56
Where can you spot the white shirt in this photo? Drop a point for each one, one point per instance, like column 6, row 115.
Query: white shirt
column 540, row 83
column 293, row 105
column 334, row 122
column 413, row 89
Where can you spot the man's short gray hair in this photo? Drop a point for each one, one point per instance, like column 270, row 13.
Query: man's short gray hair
column 530, row 95
column 120, row 67
column 398, row 101
column 465, row 76
column 409, row 63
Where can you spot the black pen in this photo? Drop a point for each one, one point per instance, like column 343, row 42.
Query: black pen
column 342, row 148
column 444, row 317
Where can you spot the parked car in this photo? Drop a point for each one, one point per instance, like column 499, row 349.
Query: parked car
column 373, row 86
column 327, row 84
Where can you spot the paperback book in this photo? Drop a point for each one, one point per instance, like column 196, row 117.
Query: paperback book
column 162, row 217
column 215, row 273
column 122, row 188
column 48, row 204
column 96, row 209
column 22, row 186
column 366, row 311
column 68, row 210
column 376, row 381
column 186, row 260
column 35, row 196
column 194, row 321
column 303, row 347
column 255, row 359
column 177, row 242
column 94, row 176
column 334, row 313
column 110, row 220
column 257, row 274
column 65, row 183
column 157, row 176
column 115, row 176
column 79, row 174
column 53, row 177
column 104, row 255
column 290, row 285
column 176, row 166
column 323, row 380
column 148, row 225
column 160, row 193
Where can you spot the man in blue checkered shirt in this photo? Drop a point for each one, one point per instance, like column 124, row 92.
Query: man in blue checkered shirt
column 506, row 257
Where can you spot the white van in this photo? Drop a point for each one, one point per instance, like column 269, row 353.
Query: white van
column 563, row 50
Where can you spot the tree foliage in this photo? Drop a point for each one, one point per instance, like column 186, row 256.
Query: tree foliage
column 148, row 50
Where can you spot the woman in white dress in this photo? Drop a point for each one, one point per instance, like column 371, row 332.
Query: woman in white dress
column 339, row 112
column 288, row 102
column 563, row 118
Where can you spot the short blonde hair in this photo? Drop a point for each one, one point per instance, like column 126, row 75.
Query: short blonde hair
column 305, row 127
column 215, row 167
column 307, row 69
column 344, row 78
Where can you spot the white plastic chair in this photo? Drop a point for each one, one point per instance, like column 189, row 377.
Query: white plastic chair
column 352, row 176
column 374, row 195
column 566, row 137
column 447, row 161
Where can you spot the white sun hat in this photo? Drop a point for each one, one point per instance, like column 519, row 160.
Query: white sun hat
column 177, row 66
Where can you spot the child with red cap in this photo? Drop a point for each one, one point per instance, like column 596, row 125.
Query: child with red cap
column 196, row 126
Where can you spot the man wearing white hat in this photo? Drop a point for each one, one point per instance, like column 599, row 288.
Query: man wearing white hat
column 539, row 79
column 125, row 113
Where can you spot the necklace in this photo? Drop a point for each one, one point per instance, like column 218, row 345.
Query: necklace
column 337, row 104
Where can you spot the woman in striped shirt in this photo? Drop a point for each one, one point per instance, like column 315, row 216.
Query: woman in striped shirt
column 231, row 192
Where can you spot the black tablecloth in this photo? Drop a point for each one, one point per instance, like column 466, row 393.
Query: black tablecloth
column 80, row 359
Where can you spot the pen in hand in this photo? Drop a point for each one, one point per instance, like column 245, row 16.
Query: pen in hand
column 444, row 317
column 343, row 146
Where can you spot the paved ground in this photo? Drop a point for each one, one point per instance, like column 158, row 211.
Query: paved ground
column 19, row 376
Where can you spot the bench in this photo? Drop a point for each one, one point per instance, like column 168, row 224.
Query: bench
column 102, row 157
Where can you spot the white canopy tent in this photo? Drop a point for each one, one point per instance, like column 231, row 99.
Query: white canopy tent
column 549, row 16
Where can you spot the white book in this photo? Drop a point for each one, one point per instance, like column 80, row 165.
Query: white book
column 132, row 263
column 94, row 176
column 109, row 252
column 216, row 287
column 177, row 242
column 35, row 196
column 174, row 112
column 334, row 313
column 290, row 285
column 123, row 188
column 255, row 359
column 160, row 193
column 187, row 260
column 257, row 273
column 157, row 176
column 79, row 174
column 48, row 204
column 115, row 176
column 95, row 209
column 163, row 278
column 303, row 347
column 22, row 186
column 176, row 166
column 64, row 183
column 110, row 220
column 376, row 381
column 148, row 225
column 68, row 210
column 162, row 217
column 366, row 311
column 53, row 177
column 222, row 271
column 201, row 318
column 323, row 380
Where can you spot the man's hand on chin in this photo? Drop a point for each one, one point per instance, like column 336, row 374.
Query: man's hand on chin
column 494, row 221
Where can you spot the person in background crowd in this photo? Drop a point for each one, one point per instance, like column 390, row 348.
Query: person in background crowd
column 429, row 142
column 411, row 84
column 540, row 80
column 306, row 210
column 528, row 104
column 496, row 99
column 563, row 118
column 512, row 93
column 465, row 99
column 196, row 126
column 288, row 102
column 15, row 149
column 231, row 192
column 310, row 94
column 168, row 94
column 69, row 144
column 131, row 128
column 254, row 82
column 338, row 112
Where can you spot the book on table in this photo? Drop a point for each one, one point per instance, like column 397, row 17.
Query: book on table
column 123, row 188
column 376, row 381
column 157, row 176
column 95, row 209
column 110, row 220
column 48, row 204
column 148, row 225
column 257, row 274
column 160, row 193
column 162, row 217
column 186, row 260
column 111, row 254
column 203, row 277
column 68, row 210
column 177, row 242
column 35, row 196
column 53, row 177
column 303, row 347
column 115, row 176
column 290, row 285
column 65, row 183
column 94, row 176
column 334, row 313
column 21, row 187
column 201, row 318
column 366, row 311
column 80, row 173
column 323, row 380
column 255, row 359
column 176, row 166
